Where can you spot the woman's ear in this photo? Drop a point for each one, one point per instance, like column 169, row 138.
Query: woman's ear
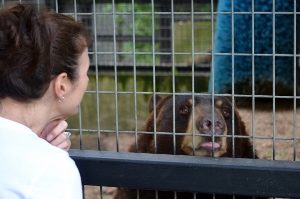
column 62, row 85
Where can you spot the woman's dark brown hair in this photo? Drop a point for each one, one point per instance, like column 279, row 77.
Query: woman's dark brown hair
column 36, row 46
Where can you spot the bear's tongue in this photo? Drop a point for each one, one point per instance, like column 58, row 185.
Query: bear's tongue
column 210, row 145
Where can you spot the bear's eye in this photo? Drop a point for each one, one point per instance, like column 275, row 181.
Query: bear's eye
column 226, row 112
column 184, row 109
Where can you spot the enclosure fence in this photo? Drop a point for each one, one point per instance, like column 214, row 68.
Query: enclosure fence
column 245, row 51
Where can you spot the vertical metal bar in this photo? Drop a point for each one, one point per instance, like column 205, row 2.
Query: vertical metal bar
column 96, row 74
column 154, row 81
column 295, row 83
column 233, row 79
column 38, row 3
column 193, row 76
column 134, row 76
column 253, row 80
column 83, row 195
column 101, row 192
column 115, row 72
column 173, row 74
column 75, row 10
column 273, row 79
column 134, row 67
column 173, row 79
column 165, row 33
column 154, row 72
column 232, row 74
column 193, row 79
column 56, row 6
column 212, row 69
column 79, row 108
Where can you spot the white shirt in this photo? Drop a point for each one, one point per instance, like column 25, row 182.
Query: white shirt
column 31, row 168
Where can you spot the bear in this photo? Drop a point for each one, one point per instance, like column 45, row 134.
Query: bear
column 197, row 134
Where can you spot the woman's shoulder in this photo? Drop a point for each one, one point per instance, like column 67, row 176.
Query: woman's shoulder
column 41, row 170
column 59, row 177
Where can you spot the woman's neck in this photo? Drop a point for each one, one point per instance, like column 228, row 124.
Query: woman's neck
column 33, row 114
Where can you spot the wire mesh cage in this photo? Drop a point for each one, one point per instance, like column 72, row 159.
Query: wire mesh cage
column 222, row 65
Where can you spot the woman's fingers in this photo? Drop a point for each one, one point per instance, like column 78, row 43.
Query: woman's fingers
column 56, row 135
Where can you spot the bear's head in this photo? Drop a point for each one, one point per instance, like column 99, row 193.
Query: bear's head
column 200, row 127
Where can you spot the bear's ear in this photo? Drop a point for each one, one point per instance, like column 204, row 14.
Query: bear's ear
column 150, row 102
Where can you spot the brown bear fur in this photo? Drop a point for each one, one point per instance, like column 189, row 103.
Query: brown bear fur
column 162, row 142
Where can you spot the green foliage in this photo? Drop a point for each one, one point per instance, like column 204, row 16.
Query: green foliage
column 143, row 27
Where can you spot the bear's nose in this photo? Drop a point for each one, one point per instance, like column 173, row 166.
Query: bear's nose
column 206, row 125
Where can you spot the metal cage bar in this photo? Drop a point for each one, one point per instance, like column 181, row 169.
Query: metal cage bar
column 295, row 84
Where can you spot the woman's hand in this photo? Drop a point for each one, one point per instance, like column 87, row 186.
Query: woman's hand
column 55, row 134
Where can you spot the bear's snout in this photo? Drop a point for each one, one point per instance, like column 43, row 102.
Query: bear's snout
column 206, row 126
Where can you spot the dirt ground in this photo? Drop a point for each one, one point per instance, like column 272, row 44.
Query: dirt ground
column 279, row 141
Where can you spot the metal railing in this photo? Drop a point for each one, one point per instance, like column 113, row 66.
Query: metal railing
column 191, row 174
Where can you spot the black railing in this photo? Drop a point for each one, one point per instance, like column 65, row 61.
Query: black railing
column 205, row 175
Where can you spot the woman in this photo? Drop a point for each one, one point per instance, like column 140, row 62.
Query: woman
column 43, row 76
